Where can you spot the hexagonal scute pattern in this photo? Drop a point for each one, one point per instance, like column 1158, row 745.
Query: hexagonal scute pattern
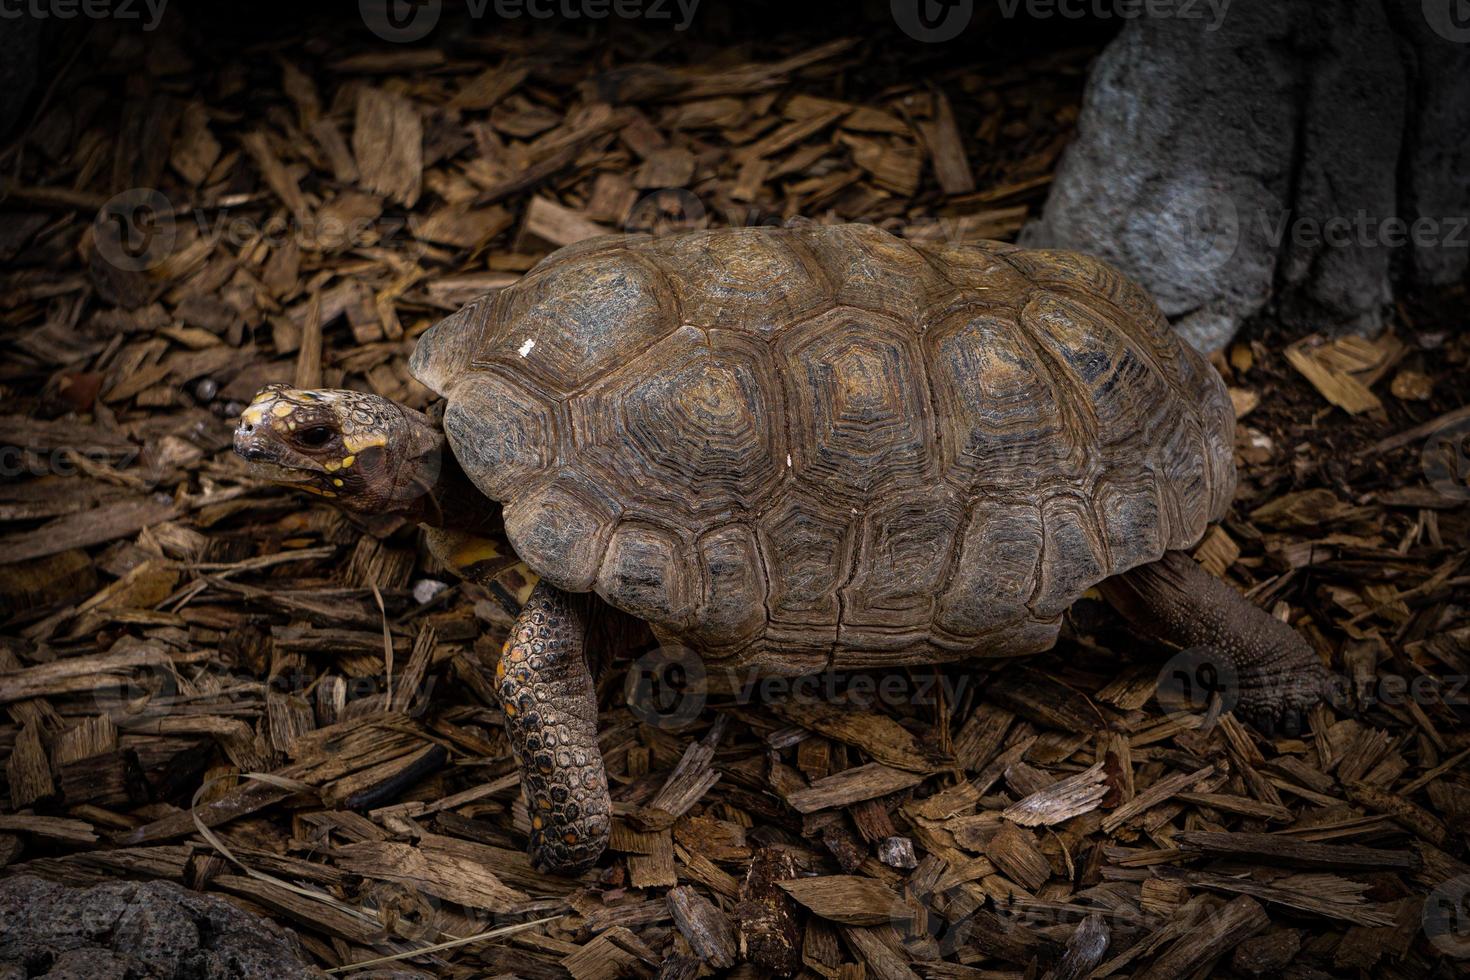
column 1003, row 421
column 997, row 571
column 808, row 546
column 857, row 399
column 799, row 447
column 906, row 554
column 872, row 270
column 982, row 272
column 561, row 529
column 1075, row 275
column 569, row 320
column 692, row 426
column 503, row 433
column 648, row 573
column 751, row 279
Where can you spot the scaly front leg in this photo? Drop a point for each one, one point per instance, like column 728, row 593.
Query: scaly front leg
column 550, row 706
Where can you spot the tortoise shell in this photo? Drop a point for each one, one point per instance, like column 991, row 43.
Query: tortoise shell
column 825, row 446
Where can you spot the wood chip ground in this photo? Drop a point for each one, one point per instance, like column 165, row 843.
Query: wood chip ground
column 213, row 682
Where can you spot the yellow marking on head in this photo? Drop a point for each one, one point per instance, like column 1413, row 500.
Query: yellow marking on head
column 281, row 409
column 331, row 466
column 336, row 483
column 356, row 444
column 252, row 415
column 348, row 461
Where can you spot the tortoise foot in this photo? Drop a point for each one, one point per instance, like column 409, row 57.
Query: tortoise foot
column 1261, row 668
column 1280, row 702
column 550, row 706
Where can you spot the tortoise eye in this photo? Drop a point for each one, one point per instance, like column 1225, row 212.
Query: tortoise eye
column 317, row 435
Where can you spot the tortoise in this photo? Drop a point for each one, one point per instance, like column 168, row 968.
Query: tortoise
column 796, row 449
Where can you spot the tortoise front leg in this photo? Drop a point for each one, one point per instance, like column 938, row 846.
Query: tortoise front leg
column 1176, row 601
column 550, row 707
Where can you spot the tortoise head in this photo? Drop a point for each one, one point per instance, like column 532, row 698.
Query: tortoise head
column 367, row 453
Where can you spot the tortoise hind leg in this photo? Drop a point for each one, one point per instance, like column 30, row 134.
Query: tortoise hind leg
column 550, row 706
column 1176, row 601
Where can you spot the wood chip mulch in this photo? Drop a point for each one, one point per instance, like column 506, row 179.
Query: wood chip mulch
column 213, row 682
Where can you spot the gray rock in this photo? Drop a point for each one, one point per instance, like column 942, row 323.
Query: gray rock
column 133, row 930
column 1268, row 162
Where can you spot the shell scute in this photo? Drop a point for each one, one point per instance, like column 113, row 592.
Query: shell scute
column 799, row 447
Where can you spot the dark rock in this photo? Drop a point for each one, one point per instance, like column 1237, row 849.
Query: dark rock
column 136, row 930
column 1280, row 155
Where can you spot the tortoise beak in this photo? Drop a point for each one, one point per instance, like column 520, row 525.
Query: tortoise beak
column 268, row 459
column 252, row 444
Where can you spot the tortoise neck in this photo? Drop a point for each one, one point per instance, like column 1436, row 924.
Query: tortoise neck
column 453, row 502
